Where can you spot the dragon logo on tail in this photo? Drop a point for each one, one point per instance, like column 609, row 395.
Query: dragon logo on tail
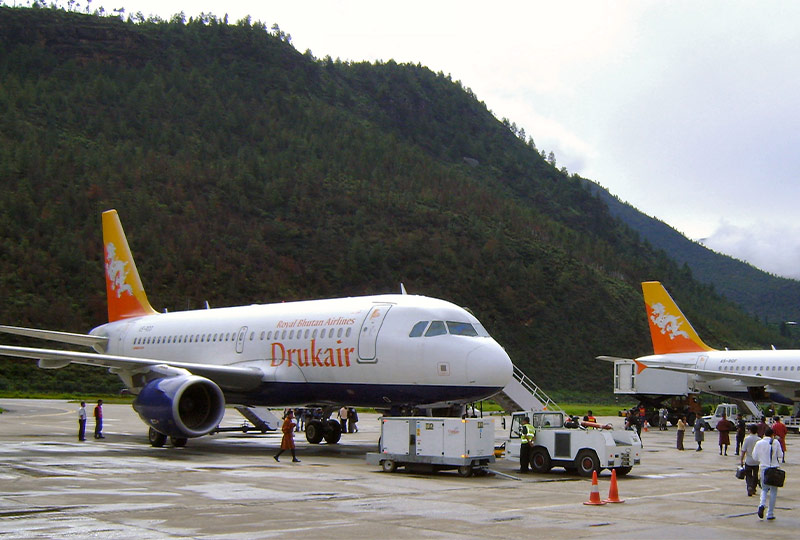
column 669, row 325
column 116, row 272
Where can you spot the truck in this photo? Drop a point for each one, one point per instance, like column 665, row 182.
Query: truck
column 583, row 448
column 434, row 444
column 730, row 410
column 656, row 389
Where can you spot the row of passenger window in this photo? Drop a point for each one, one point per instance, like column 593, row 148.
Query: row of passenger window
column 756, row 368
column 438, row 328
column 231, row 336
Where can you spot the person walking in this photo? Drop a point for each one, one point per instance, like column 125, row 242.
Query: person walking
column 769, row 454
column 724, row 427
column 779, row 429
column 749, row 460
column 98, row 420
column 352, row 420
column 762, row 426
column 741, row 429
column 526, row 435
column 681, row 431
column 82, row 421
column 287, row 442
column 699, row 425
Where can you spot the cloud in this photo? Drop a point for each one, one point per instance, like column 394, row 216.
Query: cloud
column 770, row 247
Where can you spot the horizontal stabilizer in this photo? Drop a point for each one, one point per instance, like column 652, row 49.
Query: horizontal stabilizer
column 613, row 359
column 97, row 342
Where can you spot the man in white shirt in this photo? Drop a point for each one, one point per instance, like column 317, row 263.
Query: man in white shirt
column 343, row 418
column 769, row 454
column 82, row 422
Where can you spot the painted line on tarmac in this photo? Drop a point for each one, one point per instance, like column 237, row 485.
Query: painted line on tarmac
column 564, row 505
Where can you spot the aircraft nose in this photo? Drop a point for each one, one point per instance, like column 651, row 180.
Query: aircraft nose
column 489, row 365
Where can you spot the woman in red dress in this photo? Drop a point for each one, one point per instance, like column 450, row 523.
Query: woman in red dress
column 287, row 442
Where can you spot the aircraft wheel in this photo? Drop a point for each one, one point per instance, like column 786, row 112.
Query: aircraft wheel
column 314, row 432
column 333, row 432
column 389, row 465
column 540, row 460
column 178, row 442
column 156, row 438
column 587, row 461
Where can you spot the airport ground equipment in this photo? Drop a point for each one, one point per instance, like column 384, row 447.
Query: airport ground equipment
column 522, row 394
column 656, row 388
column 434, row 444
column 578, row 448
column 730, row 410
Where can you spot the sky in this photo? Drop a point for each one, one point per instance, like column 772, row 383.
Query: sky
column 689, row 111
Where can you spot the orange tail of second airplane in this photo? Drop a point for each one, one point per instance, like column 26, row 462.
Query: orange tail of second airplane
column 126, row 296
column 670, row 330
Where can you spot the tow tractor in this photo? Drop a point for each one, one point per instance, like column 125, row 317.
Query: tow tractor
column 577, row 446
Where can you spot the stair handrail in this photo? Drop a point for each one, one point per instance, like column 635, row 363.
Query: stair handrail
column 537, row 392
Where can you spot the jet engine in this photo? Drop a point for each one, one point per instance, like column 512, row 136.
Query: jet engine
column 181, row 407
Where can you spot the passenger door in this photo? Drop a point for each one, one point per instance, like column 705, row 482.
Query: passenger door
column 368, row 336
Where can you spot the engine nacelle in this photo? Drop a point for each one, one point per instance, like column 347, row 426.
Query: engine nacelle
column 183, row 406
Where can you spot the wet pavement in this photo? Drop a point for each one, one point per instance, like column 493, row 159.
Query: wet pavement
column 228, row 486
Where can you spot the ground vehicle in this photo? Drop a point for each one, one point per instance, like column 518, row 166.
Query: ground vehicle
column 730, row 410
column 578, row 448
column 435, row 444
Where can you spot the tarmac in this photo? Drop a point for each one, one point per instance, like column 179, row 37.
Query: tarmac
column 228, row 486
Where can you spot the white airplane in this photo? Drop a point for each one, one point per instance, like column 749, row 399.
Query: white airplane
column 757, row 375
column 387, row 351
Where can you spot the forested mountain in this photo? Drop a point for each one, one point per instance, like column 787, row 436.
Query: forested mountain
column 774, row 299
column 245, row 171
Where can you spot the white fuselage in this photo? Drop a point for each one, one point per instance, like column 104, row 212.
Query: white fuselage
column 733, row 371
column 360, row 351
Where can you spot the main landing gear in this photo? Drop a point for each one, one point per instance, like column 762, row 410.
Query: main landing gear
column 330, row 430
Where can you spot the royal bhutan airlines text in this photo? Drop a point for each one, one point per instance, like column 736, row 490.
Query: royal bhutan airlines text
column 306, row 323
column 312, row 356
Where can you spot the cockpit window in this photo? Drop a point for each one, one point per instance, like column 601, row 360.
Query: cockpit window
column 437, row 328
column 418, row 329
column 481, row 330
column 461, row 329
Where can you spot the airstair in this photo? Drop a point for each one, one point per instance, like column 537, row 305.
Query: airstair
column 749, row 408
column 262, row 418
column 522, row 394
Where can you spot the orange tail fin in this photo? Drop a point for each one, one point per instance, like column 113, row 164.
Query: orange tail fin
column 670, row 330
column 126, row 296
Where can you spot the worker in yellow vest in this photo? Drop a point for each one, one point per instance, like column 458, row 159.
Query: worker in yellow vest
column 527, row 434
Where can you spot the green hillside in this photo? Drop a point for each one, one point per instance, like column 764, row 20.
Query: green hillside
column 772, row 298
column 245, row 171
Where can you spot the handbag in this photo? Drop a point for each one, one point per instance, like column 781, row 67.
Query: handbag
column 774, row 476
column 740, row 473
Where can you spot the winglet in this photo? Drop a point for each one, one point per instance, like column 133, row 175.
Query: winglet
column 124, row 290
column 670, row 330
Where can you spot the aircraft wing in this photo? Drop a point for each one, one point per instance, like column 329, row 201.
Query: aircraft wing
column 227, row 377
column 748, row 380
column 63, row 337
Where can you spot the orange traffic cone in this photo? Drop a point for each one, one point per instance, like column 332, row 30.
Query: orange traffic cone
column 594, row 494
column 613, row 495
